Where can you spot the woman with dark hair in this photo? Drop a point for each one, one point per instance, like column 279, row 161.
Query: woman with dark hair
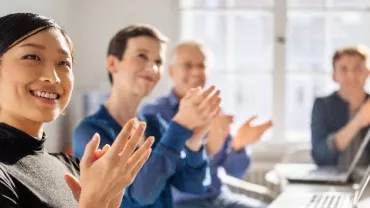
column 36, row 80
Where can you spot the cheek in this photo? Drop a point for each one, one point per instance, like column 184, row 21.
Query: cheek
column 67, row 82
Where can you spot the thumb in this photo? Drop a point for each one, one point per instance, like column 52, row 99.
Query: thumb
column 195, row 91
column 192, row 92
column 248, row 122
column 91, row 147
column 74, row 185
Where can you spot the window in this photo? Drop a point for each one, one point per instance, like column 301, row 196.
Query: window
column 273, row 60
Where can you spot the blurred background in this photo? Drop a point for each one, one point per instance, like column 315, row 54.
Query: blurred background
column 270, row 58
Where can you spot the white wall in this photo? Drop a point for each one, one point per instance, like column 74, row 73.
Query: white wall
column 91, row 24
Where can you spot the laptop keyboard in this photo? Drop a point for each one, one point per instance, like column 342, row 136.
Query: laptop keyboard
column 327, row 200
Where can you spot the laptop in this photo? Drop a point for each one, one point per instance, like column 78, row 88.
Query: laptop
column 328, row 174
column 323, row 199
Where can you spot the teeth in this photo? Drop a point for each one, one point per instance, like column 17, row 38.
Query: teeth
column 48, row 95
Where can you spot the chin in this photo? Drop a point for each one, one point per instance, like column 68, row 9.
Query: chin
column 47, row 117
column 144, row 91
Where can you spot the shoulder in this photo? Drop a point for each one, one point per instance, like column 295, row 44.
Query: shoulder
column 95, row 120
column 91, row 125
column 327, row 100
column 155, row 106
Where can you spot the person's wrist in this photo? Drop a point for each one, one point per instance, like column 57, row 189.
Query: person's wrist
column 92, row 201
column 183, row 122
column 356, row 123
column 194, row 146
column 236, row 146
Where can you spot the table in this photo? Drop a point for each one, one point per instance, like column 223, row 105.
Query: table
column 277, row 176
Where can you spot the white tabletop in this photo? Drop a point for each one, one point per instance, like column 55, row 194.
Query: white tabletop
column 297, row 188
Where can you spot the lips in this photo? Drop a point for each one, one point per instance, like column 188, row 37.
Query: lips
column 43, row 94
column 148, row 78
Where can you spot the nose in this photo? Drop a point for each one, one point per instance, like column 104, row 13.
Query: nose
column 154, row 68
column 50, row 75
column 351, row 76
column 196, row 71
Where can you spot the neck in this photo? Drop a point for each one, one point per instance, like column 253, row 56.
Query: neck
column 355, row 99
column 123, row 105
column 30, row 127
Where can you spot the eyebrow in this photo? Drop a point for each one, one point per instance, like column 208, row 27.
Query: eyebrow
column 41, row 47
column 143, row 50
column 147, row 51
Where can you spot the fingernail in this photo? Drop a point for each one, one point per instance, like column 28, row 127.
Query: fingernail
column 152, row 139
column 95, row 137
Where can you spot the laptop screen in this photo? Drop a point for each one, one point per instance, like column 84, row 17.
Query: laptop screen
column 358, row 154
column 365, row 180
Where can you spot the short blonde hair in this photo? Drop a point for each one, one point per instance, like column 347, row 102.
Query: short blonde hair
column 360, row 50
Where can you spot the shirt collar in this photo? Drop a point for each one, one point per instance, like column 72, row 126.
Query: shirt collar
column 173, row 99
column 336, row 95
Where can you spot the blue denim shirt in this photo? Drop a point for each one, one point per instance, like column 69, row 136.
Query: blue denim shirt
column 170, row 164
column 329, row 114
column 234, row 163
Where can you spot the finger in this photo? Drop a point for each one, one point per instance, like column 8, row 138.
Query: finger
column 135, row 158
column 250, row 120
column 209, row 101
column 141, row 163
column 74, row 185
column 122, row 138
column 211, row 109
column 90, row 149
column 133, row 142
column 267, row 125
column 192, row 92
column 208, row 91
column 198, row 99
column 97, row 155
column 105, row 149
column 211, row 115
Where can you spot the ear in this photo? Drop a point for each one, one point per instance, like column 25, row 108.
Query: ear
column 111, row 63
column 334, row 76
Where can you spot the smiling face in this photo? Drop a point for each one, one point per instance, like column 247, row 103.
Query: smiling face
column 350, row 72
column 36, row 78
column 140, row 67
column 188, row 68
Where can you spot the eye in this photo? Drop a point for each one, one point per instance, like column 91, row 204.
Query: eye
column 65, row 63
column 201, row 66
column 188, row 65
column 31, row 57
column 142, row 56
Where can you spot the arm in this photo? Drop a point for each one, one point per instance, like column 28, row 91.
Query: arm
column 323, row 150
column 234, row 162
column 8, row 195
column 83, row 134
column 192, row 175
column 161, row 165
column 345, row 135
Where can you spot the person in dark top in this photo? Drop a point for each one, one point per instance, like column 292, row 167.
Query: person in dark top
column 36, row 81
column 341, row 120
column 188, row 68
column 134, row 61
